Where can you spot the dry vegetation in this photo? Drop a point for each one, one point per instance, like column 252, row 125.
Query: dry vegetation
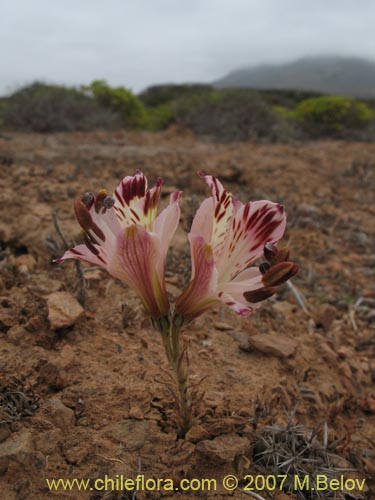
column 91, row 399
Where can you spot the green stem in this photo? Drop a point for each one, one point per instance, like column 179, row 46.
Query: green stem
column 172, row 340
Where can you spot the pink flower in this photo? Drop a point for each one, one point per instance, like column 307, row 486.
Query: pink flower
column 123, row 235
column 226, row 237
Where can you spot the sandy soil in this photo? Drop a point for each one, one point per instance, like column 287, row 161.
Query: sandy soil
column 92, row 399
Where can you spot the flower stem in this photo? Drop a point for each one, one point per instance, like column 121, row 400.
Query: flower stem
column 176, row 354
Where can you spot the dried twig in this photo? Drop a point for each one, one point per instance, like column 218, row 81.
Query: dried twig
column 56, row 223
column 254, row 495
column 81, row 292
column 299, row 297
column 109, row 459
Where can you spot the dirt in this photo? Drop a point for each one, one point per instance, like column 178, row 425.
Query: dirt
column 92, row 398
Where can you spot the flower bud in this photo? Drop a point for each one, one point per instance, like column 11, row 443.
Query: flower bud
column 279, row 273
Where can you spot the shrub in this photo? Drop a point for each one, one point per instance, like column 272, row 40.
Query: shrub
column 163, row 94
column 233, row 115
column 119, row 100
column 54, row 108
column 159, row 117
column 332, row 115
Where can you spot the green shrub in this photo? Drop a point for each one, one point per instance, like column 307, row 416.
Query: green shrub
column 332, row 115
column 53, row 108
column 119, row 100
column 163, row 94
column 233, row 115
column 159, row 117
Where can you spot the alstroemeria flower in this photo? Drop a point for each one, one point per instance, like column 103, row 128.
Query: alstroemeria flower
column 226, row 237
column 123, row 235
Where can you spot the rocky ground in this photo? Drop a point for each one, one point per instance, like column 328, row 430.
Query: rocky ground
column 84, row 387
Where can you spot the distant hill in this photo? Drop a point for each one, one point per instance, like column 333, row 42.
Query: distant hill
column 329, row 75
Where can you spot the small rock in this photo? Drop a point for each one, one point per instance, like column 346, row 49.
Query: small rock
column 76, row 448
column 48, row 441
column 25, row 263
column 232, row 173
column 197, row 433
column 5, row 431
column 224, row 448
column 283, row 307
column 220, row 325
column 344, row 368
column 328, row 354
column 51, row 375
column 34, row 324
column 173, row 290
column 136, row 412
column 94, row 275
column 6, row 321
column 44, row 285
column 275, row 345
column 244, row 412
column 63, row 310
column 22, row 489
column 173, row 280
column 325, row 315
column 16, row 334
column 60, row 415
column 130, row 432
column 241, row 337
column 65, row 357
column 368, row 405
column 20, row 448
column 307, row 210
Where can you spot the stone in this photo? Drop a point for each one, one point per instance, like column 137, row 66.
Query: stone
column 130, row 432
column 63, row 310
column 325, row 316
column 65, row 357
column 44, row 285
column 328, row 354
column 283, row 307
column 77, row 448
column 224, row 327
column 223, row 449
column 368, row 405
column 16, row 334
column 59, row 414
column 136, row 412
column 274, row 345
column 25, row 263
column 308, row 210
column 94, row 275
column 19, row 448
column 51, row 375
column 196, row 433
column 48, row 441
column 5, row 431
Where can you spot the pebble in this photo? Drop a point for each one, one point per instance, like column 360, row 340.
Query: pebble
column 20, row 448
column 5, row 431
column 63, row 310
column 274, row 345
column 224, row 448
column 131, row 433
column 325, row 315
column 196, row 433
column 136, row 412
column 60, row 415
column 25, row 263
column 220, row 325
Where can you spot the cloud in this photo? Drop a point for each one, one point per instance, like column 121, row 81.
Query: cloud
column 151, row 41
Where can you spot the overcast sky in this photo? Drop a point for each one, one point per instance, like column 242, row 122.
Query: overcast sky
column 137, row 43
